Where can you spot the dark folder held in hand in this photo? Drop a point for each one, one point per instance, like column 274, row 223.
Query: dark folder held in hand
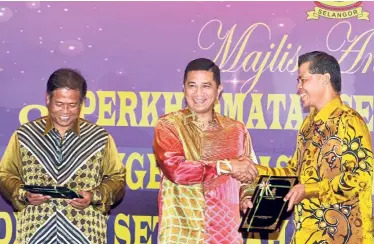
column 53, row 191
column 269, row 208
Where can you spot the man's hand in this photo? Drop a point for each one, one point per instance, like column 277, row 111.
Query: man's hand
column 243, row 169
column 295, row 196
column 36, row 199
column 82, row 203
column 245, row 204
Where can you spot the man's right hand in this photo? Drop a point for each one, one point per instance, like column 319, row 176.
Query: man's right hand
column 36, row 199
column 243, row 169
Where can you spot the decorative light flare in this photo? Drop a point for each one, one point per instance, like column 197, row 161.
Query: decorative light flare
column 281, row 25
column 234, row 81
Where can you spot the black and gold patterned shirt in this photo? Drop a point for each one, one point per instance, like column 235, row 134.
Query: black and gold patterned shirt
column 85, row 159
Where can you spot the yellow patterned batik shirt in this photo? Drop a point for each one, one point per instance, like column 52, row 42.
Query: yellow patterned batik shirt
column 334, row 160
column 86, row 159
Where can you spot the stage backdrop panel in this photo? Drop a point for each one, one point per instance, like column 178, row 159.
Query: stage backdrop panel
column 133, row 55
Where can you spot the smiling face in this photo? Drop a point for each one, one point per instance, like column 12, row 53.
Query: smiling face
column 64, row 108
column 310, row 87
column 201, row 91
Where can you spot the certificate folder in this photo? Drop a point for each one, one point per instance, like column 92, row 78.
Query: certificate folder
column 53, row 191
column 269, row 208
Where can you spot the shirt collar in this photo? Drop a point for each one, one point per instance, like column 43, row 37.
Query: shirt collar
column 327, row 110
column 189, row 116
column 49, row 126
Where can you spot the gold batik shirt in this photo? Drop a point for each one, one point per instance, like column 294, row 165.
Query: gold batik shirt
column 85, row 159
column 334, row 161
column 198, row 199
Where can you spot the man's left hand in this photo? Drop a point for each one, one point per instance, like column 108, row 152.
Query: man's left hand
column 295, row 196
column 245, row 204
column 81, row 203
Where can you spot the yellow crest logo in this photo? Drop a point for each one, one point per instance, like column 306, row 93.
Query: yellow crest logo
column 338, row 10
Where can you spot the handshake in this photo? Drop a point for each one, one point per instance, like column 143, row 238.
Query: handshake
column 243, row 169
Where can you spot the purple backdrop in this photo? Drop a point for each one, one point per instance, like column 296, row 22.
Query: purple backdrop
column 133, row 56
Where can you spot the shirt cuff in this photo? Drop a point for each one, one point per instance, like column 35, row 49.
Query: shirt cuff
column 22, row 195
column 96, row 197
column 311, row 190
column 262, row 170
column 247, row 191
column 224, row 167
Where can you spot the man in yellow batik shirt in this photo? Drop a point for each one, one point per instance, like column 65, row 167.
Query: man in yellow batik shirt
column 62, row 150
column 333, row 159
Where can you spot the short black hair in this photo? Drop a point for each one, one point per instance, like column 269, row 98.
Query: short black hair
column 203, row 64
column 67, row 78
column 322, row 63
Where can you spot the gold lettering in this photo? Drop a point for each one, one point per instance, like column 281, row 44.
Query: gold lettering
column 126, row 109
column 283, row 160
column 256, row 113
column 24, row 113
column 347, row 99
column 292, row 61
column 154, row 171
column 294, row 114
column 106, row 108
column 122, row 232
column 8, row 227
column 278, row 237
column 264, row 160
column 280, row 47
column 230, row 54
column 138, row 183
column 90, row 109
column 367, row 111
column 243, row 40
column 149, row 109
column 141, row 233
column 233, row 108
column 173, row 107
column 277, row 99
column 354, row 48
column 253, row 238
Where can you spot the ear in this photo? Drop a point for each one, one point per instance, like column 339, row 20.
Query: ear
column 220, row 89
column 326, row 78
column 47, row 99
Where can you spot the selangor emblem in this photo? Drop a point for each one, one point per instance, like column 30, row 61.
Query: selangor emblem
column 338, row 10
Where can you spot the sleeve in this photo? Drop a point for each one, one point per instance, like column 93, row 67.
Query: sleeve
column 170, row 156
column 11, row 176
column 112, row 187
column 248, row 148
column 356, row 166
column 247, row 190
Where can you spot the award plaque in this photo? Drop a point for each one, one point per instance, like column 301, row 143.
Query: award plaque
column 53, row 191
column 269, row 208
